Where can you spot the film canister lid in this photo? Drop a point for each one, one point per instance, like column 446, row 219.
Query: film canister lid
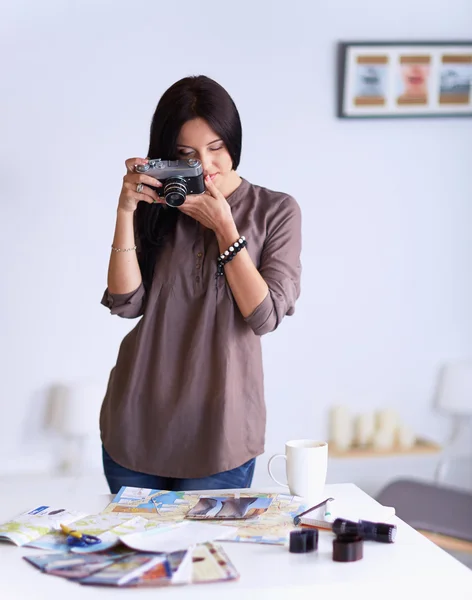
column 303, row 540
column 384, row 532
column 347, row 548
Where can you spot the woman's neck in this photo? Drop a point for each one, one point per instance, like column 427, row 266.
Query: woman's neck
column 231, row 182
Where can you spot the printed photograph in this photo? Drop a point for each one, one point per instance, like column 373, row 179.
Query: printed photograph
column 413, row 79
column 158, row 575
column 124, row 570
column 455, row 79
column 228, row 508
column 70, row 566
column 371, row 80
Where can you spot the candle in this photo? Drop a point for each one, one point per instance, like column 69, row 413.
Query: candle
column 405, row 436
column 364, row 428
column 387, row 419
column 341, row 433
column 384, row 438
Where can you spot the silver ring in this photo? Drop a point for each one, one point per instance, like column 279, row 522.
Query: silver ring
column 139, row 188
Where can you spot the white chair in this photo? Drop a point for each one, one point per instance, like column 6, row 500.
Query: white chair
column 74, row 415
column 454, row 397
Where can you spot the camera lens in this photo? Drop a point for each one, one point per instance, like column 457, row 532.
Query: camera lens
column 175, row 191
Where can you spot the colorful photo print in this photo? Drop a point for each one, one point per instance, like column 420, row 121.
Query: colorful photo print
column 123, row 571
column 228, row 508
column 455, row 79
column 72, row 566
column 413, row 79
column 371, row 80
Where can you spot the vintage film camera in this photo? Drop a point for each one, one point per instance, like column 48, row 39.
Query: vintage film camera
column 178, row 177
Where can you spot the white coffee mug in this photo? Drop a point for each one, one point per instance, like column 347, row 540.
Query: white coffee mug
column 306, row 468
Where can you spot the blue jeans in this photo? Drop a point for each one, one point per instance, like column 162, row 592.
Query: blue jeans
column 117, row 476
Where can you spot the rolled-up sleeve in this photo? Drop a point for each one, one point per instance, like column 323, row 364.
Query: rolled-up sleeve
column 128, row 306
column 280, row 266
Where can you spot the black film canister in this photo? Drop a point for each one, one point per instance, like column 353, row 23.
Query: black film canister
column 303, row 540
column 376, row 532
column 343, row 526
column 379, row 532
column 347, row 548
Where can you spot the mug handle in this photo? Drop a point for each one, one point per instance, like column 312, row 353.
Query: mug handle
column 270, row 472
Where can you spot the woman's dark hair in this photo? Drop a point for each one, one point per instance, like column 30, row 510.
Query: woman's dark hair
column 187, row 99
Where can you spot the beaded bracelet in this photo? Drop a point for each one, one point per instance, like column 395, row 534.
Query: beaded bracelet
column 228, row 255
column 122, row 249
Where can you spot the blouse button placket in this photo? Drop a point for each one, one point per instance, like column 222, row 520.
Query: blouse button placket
column 198, row 266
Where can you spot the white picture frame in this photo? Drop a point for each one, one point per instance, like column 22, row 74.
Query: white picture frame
column 404, row 79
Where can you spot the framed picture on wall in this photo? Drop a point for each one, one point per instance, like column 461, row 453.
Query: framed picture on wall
column 404, row 79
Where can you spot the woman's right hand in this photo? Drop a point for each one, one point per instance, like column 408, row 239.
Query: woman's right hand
column 129, row 196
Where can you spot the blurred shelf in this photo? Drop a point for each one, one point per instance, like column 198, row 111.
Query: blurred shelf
column 421, row 447
column 446, row 542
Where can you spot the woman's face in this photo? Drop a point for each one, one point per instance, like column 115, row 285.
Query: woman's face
column 197, row 140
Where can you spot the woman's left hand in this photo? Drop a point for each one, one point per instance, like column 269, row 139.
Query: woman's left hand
column 211, row 208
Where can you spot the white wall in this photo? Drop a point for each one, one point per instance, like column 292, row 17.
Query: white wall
column 386, row 204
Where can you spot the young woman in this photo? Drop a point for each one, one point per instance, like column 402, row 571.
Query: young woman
column 184, row 407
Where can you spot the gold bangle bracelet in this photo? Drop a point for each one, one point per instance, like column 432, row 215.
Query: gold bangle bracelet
column 122, row 249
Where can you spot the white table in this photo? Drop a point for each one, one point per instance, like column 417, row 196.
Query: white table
column 412, row 565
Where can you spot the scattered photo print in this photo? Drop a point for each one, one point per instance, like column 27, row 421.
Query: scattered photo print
column 228, row 508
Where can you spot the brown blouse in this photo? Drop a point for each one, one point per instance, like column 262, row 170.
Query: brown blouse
column 186, row 397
